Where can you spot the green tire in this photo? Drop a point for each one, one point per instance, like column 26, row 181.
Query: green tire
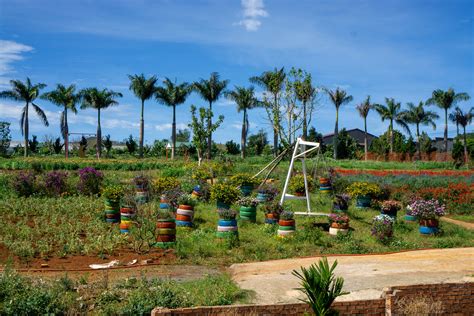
column 247, row 214
column 286, row 227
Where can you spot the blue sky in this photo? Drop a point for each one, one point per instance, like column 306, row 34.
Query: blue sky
column 400, row 49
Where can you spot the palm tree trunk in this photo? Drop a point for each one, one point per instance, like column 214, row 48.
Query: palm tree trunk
column 418, row 145
column 142, row 131
column 305, row 122
column 209, row 138
column 466, row 157
column 276, row 123
column 390, row 132
column 457, row 129
column 66, row 135
column 446, row 132
column 173, row 133
column 25, row 122
column 98, row 136
column 243, row 137
column 365, row 139
column 336, row 132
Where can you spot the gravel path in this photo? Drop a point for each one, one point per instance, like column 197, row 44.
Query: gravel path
column 365, row 275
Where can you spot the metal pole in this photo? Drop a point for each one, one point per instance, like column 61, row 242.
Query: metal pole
column 289, row 172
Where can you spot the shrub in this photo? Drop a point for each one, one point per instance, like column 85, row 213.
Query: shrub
column 273, row 207
column 187, row 199
column 226, row 213
column 270, row 190
column 240, row 179
column 142, row 181
column 297, row 184
column 341, row 201
column 225, row 193
column 55, row 183
column 113, row 193
column 24, row 183
column 90, row 181
column 358, row 189
column 338, row 219
column 162, row 184
column 382, row 227
column 287, row 215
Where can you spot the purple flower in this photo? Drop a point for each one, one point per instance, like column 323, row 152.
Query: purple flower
column 90, row 181
column 427, row 209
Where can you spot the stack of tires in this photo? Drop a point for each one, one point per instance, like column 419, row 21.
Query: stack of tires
column 126, row 217
column 286, row 227
column 227, row 228
column 184, row 216
column 271, row 218
column 112, row 211
column 325, row 185
column 248, row 213
column 196, row 192
column 262, row 197
column 141, row 194
column 166, row 233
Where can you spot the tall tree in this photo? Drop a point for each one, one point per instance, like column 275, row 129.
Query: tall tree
column 245, row 100
column 392, row 112
column 67, row 98
column 338, row 97
column 143, row 89
column 98, row 99
column 445, row 100
column 454, row 117
column 173, row 94
column 363, row 110
column 305, row 93
column 272, row 82
column 464, row 120
column 26, row 92
column 210, row 90
column 417, row 115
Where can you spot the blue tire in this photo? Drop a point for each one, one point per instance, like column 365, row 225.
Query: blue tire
column 184, row 224
column 425, row 230
column 224, row 222
column 164, row 205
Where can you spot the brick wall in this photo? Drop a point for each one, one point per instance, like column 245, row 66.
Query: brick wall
column 456, row 298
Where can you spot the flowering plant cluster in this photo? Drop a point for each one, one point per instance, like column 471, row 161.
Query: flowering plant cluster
column 341, row 201
column 391, row 206
column 382, row 227
column 247, row 201
column 427, row 209
column 358, row 189
column 269, row 190
column 142, row 181
column 226, row 213
column 273, row 207
column 24, row 183
column 297, row 184
column 90, row 181
column 187, row 199
column 225, row 193
column 287, row 215
column 55, row 183
column 113, row 193
column 244, row 179
column 338, row 219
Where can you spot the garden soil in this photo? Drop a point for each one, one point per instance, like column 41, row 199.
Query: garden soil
column 365, row 276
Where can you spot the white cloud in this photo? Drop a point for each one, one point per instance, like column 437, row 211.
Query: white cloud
column 10, row 52
column 167, row 126
column 253, row 11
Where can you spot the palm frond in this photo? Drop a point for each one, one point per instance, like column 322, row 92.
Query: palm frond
column 41, row 114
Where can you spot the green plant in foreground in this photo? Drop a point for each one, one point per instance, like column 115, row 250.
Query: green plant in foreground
column 320, row 286
column 225, row 193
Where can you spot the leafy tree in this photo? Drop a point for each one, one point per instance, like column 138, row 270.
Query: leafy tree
column 83, row 146
column 346, row 145
column 5, row 138
column 417, row 115
column 257, row 142
column 426, row 145
column 445, row 100
column 465, row 119
column 159, row 147
column 314, row 136
column 454, row 117
column 33, row 144
column 305, row 93
column 338, row 97
column 98, row 99
column 108, row 145
column 67, row 98
column 410, row 147
column 183, row 135
column 143, row 89
column 210, row 90
column 57, row 146
column 245, row 100
column 201, row 130
column 457, row 153
column 363, row 110
column 392, row 112
column 173, row 94
column 272, row 82
column 320, row 286
column 232, row 148
column 27, row 93
column 131, row 144
column 381, row 145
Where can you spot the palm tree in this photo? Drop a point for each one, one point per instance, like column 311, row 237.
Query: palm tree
column 143, row 89
column 445, row 100
column 172, row 94
column 98, row 99
column 26, row 92
column 363, row 110
column 338, row 98
column 391, row 111
column 305, row 92
column 454, row 117
column 272, row 82
column 417, row 115
column 246, row 100
column 66, row 98
column 464, row 120
column 210, row 90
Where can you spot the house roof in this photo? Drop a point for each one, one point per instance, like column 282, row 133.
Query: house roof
column 355, row 133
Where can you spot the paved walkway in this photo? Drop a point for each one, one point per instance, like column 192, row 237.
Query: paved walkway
column 466, row 225
column 365, row 276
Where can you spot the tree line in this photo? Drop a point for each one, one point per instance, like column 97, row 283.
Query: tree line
column 289, row 99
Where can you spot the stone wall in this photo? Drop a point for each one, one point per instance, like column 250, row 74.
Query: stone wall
column 456, row 298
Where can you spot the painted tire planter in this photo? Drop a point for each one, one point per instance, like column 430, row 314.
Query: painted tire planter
column 340, row 226
column 270, row 218
column 112, row 211
column 363, row 201
column 246, row 189
column 429, row 226
column 325, row 185
column 184, row 216
column 227, row 222
column 126, row 216
column 410, row 218
column 426, row 230
column 335, row 231
column 248, row 213
column 286, row 227
column 166, row 233
column 227, row 228
column 262, row 197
